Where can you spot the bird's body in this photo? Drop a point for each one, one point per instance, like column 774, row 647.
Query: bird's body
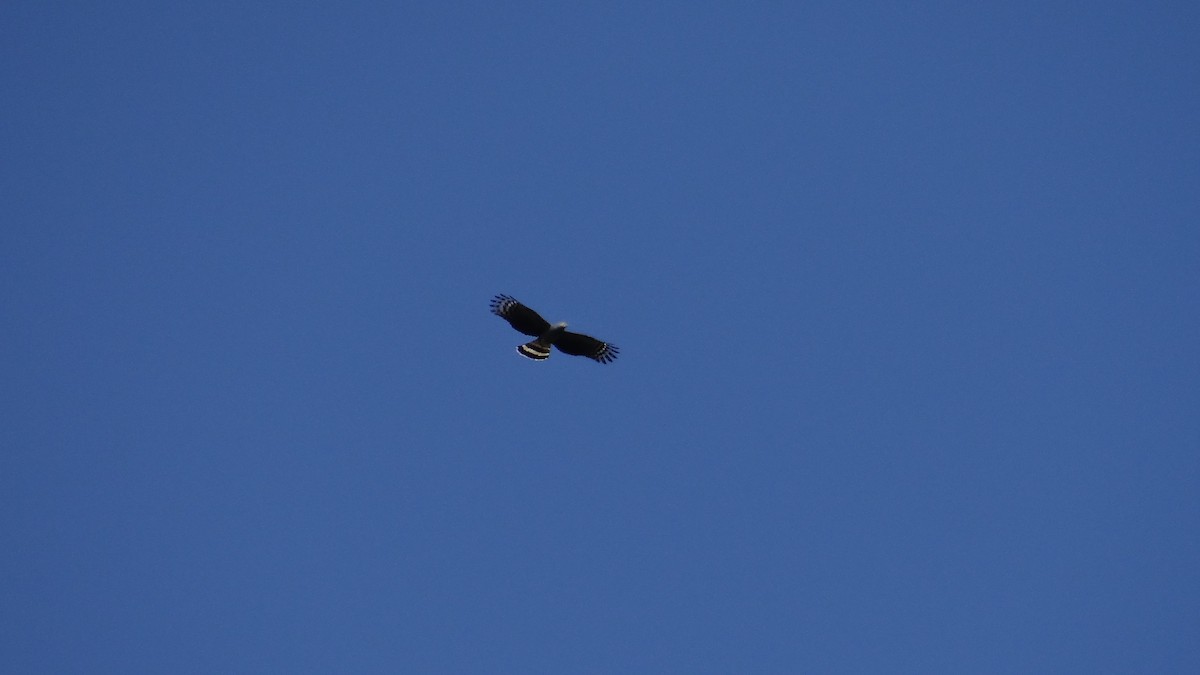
column 529, row 322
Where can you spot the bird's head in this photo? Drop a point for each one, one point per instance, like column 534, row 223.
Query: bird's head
column 561, row 324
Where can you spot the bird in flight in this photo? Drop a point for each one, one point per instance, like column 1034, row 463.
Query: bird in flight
column 529, row 322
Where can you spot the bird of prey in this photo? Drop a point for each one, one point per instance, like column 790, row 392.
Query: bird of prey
column 529, row 322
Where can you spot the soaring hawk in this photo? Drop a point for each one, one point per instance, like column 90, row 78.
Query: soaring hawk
column 530, row 322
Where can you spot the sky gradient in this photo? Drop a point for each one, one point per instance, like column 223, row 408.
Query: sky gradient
column 906, row 294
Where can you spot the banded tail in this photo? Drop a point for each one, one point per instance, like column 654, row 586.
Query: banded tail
column 536, row 350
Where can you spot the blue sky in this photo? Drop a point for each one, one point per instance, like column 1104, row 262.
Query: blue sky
column 906, row 296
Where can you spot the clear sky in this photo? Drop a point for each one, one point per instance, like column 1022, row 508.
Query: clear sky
column 907, row 295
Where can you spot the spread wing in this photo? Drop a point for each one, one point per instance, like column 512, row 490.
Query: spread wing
column 583, row 345
column 519, row 316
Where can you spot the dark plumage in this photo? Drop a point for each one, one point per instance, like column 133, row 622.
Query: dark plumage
column 531, row 323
